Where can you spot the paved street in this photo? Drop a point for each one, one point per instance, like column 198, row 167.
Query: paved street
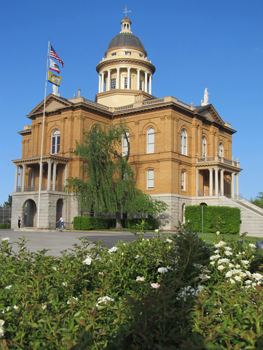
column 57, row 241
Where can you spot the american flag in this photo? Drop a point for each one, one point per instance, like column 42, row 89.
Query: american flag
column 53, row 54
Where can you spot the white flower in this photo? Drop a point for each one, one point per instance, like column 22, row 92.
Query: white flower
column 43, row 306
column 168, row 240
column 64, row 284
column 252, row 245
column 6, row 239
column 103, row 300
column 218, row 232
column 229, row 274
column 242, row 274
column 87, row 261
column 227, row 248
column 238, row 266
column 155, row 285
column 156, row 230
column 141, row 279
column 162, row 270
column 2, row 331
column 72, row 300
column 216, row 251
column 221, row 267
column 257, row 276
column 237, row 278
column 204, row 277
column 221, row 261
column 232, row 281
column 199, row 290
column 220, row 244
column 248, row 273
column 15, row 307
column 137, row 256
column 228, row 253
column 54, row 268
column 231, row 265
column 198, row 266
column 213, row 257
column 101, row 273
column 245, row 262
column 248, row 281
column 212, row 263
column 8, row 287
column 113, row 249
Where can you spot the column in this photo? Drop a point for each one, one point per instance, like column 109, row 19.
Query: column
column 20, row 177
column 16, row 175
column 24, row 177
column 118, row 78
column 33, row 179
column 237, row 185
column 145, row 82
column 99, row 83
column 49, row 163
column 232, row 185
column 216, row 181
column 129, row 75
column 102, row 82
column 138, row 78
column 66, row 174
column 150, row 84
column 54, row 176
column 211, row 182
column 197, row 182
column 108, row 80
column 222, row 181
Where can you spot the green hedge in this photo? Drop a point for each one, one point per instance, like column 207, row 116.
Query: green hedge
column 223, row 219
column 5, row 226
column 96, row 223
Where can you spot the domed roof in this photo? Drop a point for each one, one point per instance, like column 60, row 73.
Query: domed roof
column 126, row 39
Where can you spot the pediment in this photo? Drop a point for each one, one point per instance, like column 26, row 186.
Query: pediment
column 53, row 103
column 210, row 113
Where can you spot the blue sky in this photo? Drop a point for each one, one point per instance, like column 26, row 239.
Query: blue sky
column 193, row 44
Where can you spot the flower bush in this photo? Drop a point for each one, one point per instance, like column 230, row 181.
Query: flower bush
column 169, row 292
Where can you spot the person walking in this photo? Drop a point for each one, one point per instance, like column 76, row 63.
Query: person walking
column 61, row 223
column 19, row 221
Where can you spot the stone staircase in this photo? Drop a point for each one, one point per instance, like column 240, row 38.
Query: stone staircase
column 251, row 215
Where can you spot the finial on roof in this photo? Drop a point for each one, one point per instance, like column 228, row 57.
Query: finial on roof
column 126, row 11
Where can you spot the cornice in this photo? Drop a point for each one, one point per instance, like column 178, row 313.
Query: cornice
column 45, row 158
column 127, row 60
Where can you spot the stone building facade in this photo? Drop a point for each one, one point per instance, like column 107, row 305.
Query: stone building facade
column 181, row 154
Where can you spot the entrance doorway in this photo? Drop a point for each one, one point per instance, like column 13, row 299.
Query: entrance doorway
column 29, row 213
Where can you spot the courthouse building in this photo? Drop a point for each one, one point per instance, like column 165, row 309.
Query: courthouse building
column 181, row 154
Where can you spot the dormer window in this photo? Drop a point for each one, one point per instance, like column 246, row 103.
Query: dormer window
column 127, row 52
column 113, row 54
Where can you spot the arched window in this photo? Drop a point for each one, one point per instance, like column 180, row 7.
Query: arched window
column 150, row 140
column 125, row 144
column 150, row 179
column 203, row 146
column 220, row 150
column 183, row 142
column 55, row 142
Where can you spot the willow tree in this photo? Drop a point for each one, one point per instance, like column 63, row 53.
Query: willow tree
column 108, row 184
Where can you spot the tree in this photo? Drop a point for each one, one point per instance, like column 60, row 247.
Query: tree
column 109, row 184
column 258, row 200
column 8, row 204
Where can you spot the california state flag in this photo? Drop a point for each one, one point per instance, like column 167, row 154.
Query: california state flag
column 53, row 66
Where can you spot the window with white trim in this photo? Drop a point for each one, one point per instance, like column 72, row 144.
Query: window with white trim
column 55, row 142
column 150, row 179
column 203, row 146
column 183, row 142
column 125, row 144
column 150, row 140
column 183, row 180
column 126, row 83
column 220, row 150
column 141, row 85
column 113, row 83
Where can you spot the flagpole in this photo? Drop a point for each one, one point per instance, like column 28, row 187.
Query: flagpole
column 42, row 140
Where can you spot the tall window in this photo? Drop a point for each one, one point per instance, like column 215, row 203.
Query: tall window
column 141, row 85
column 220, row 150
column 184, row 142
column 113, row 83
column 55, row 142
column 125, row 144
column 150, row 179
column 126, row 83
column 150, row 140
column 183, row 180
column 203, row 147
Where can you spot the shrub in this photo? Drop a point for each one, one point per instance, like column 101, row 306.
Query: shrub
column 149, row 223
column 5, row 226
column 223, row 219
